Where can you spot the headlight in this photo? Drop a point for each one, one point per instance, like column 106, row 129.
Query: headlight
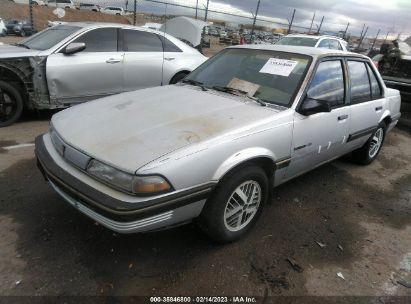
column 130, row 183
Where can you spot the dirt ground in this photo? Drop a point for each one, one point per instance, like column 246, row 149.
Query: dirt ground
column 361, row 217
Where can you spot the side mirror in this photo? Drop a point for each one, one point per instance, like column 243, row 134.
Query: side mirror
column 74, row 47
column 312, row 106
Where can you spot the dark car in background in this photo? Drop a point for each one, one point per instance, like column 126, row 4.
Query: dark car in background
column 394, row 64
column 20, row 27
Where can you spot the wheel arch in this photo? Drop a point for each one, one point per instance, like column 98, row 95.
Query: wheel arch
column 182, row 71
column 14, row 75
column 261, row 156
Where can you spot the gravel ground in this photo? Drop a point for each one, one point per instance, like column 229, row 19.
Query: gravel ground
column 361, row 214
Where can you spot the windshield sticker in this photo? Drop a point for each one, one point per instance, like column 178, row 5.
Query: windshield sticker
column 243, row 85
column 281, row 67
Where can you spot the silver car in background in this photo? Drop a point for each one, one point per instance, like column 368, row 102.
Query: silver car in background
column 212, row 147
column 77, row 62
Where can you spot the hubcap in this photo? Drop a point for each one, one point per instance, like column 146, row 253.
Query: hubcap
column 242, row 205
column 376, row 142
column 8, row 106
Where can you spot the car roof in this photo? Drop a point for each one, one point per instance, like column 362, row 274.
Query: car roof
column 303, row 50
column 315, row 36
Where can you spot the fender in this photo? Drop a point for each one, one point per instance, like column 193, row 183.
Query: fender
column 241, row 157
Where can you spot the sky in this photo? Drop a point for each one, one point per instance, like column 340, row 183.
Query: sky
column 388, row 15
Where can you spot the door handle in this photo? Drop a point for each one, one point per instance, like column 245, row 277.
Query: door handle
column 169, row 58
column 342, row 117
column 113, row 60
column 378, row 109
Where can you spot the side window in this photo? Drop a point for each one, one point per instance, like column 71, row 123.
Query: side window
column 100, row 40
column 328, row 83
column 139, row 41
column 324, row 44
column 335, row 45
column 376, row 91
column 360, row 84
column 168, row 45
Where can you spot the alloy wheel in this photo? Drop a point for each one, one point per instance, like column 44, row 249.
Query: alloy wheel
column 242, row 205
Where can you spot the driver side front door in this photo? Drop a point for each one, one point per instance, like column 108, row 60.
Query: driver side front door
column 95, row 72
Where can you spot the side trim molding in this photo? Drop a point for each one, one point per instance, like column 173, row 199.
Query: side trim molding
column 361, row 133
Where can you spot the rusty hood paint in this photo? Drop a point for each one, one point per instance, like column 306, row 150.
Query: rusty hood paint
column 132, row 129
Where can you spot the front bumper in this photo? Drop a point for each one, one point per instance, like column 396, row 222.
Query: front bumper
column 119, row 215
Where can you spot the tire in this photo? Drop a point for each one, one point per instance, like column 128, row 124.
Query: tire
column 16, row 100
column 178, row 77
column 23, row 33
column 369, row 152
column 216, row 221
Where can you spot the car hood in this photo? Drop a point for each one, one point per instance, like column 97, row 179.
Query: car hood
column 11, row 51
column 132, row 129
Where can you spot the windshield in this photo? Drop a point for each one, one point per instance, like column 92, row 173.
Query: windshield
column 298, row 41
column 270, row 76
column 49, row 37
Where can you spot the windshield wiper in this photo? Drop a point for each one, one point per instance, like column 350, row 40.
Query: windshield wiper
column 244, row 93
column 229, row 90
column 22, row 45
column 195, row 83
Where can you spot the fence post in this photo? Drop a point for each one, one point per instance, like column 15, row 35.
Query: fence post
column 375, row 40
column 31, row 13
column 197, row 9
column 346, row 30
column 312, row 22
column 255, row 19
column 135, row 12
column 321, row 24
column 291, row 22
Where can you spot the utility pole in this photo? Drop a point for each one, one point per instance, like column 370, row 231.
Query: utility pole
column 206, row 14
column 362, row 31
column 197, row 9
column 362, row 38
column 321, row 24
column 386, row 37
column 346, row 30
column 291, row 22
column 312, row 22
column 375, row 40
column 255, row 19
column 31, row 13
column 135, row 12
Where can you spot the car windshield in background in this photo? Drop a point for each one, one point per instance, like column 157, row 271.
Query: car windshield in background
column 298, row 41
column 50, row 37
column 272, row 77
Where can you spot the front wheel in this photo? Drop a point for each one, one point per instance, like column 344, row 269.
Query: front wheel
column 235, row 205
column 11, row 104
column 369, row 152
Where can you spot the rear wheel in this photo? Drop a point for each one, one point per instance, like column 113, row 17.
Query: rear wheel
column 235, row 205
column 11, row 104
column 369, row 152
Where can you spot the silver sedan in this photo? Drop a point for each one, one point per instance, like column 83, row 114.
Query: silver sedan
column 77, row 62
column 213, row 147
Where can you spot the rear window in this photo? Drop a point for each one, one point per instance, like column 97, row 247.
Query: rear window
column 139, row 41
column 360, row 84
column 298, row 41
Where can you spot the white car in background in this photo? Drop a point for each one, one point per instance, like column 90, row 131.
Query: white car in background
column 62, row 3
column 323, row 41
column 35, row 2
column 113, row 10
column 3, row 29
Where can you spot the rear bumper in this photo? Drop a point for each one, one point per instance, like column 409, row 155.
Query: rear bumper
column 120, row 215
